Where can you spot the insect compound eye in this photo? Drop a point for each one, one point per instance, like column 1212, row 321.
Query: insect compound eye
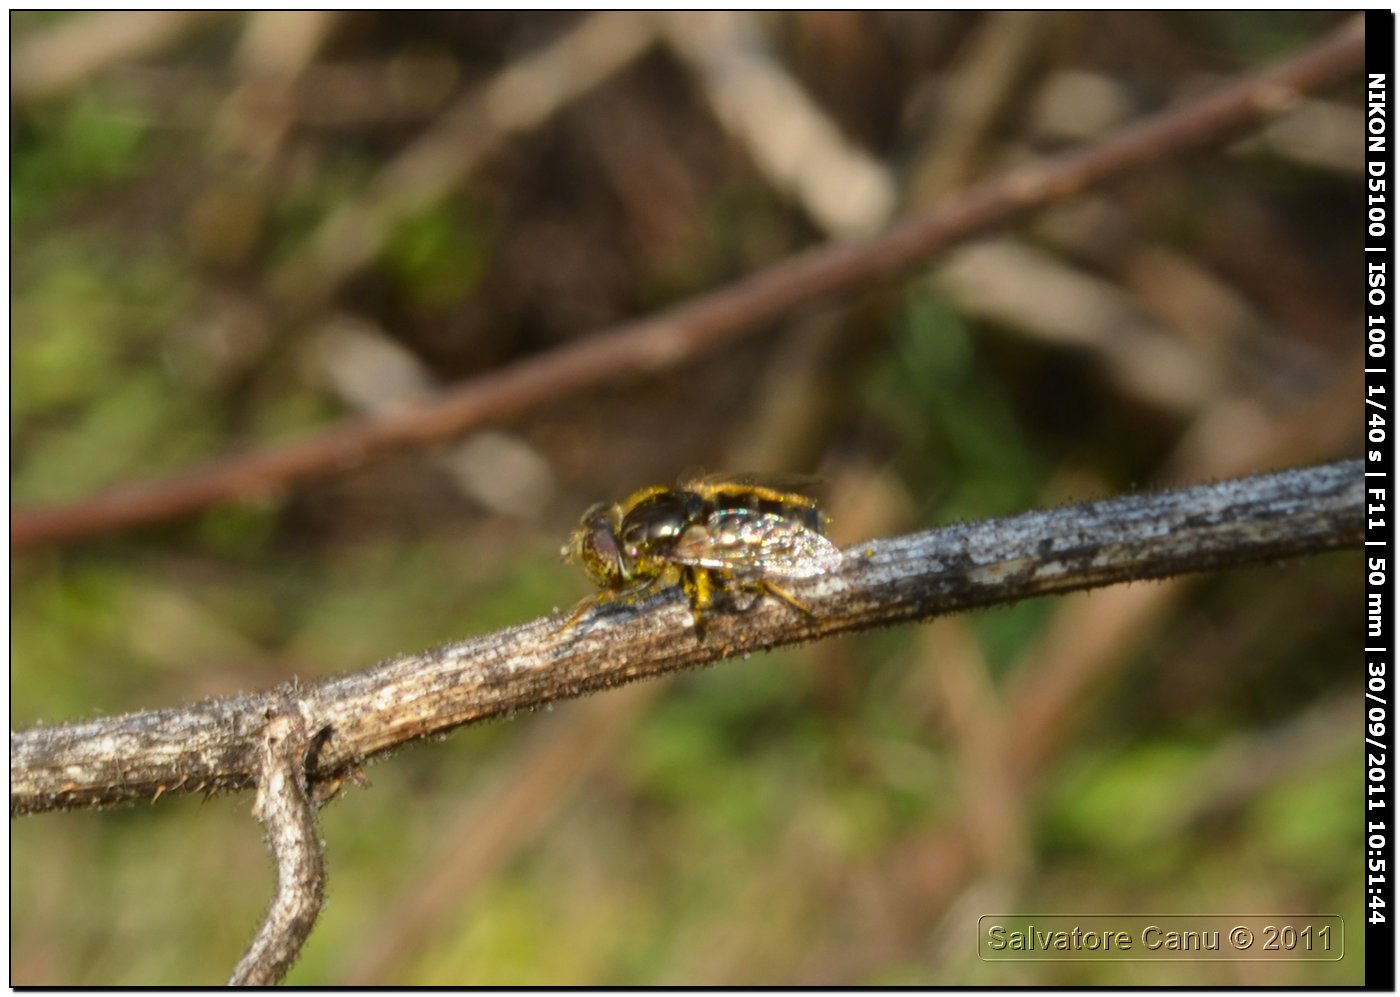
column 595, row 546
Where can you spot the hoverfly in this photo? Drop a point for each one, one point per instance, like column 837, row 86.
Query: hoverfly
column 708, row 534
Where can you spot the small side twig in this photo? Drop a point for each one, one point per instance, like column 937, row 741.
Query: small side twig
column 214, row 746
column 288, row 813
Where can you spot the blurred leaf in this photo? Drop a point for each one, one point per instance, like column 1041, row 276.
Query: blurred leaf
column 57, row 158
column 438, row 254
column 1116, row 804
column 953, row 414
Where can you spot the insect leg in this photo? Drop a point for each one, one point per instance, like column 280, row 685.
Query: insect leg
column 656, row 578
column 584, row 605
column 699, row 585
column 625, row 596
column 787, row 597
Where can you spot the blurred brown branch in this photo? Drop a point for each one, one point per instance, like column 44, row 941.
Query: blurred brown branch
column 215, row 745
column 690, row 329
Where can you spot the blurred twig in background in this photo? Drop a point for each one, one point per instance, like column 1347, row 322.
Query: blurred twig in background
column 521, row 97
column 58, row 59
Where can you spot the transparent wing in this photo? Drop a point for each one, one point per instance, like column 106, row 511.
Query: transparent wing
column 749, row 542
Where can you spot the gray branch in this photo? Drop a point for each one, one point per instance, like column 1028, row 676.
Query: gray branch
column 215, row 745
column 289, row 815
